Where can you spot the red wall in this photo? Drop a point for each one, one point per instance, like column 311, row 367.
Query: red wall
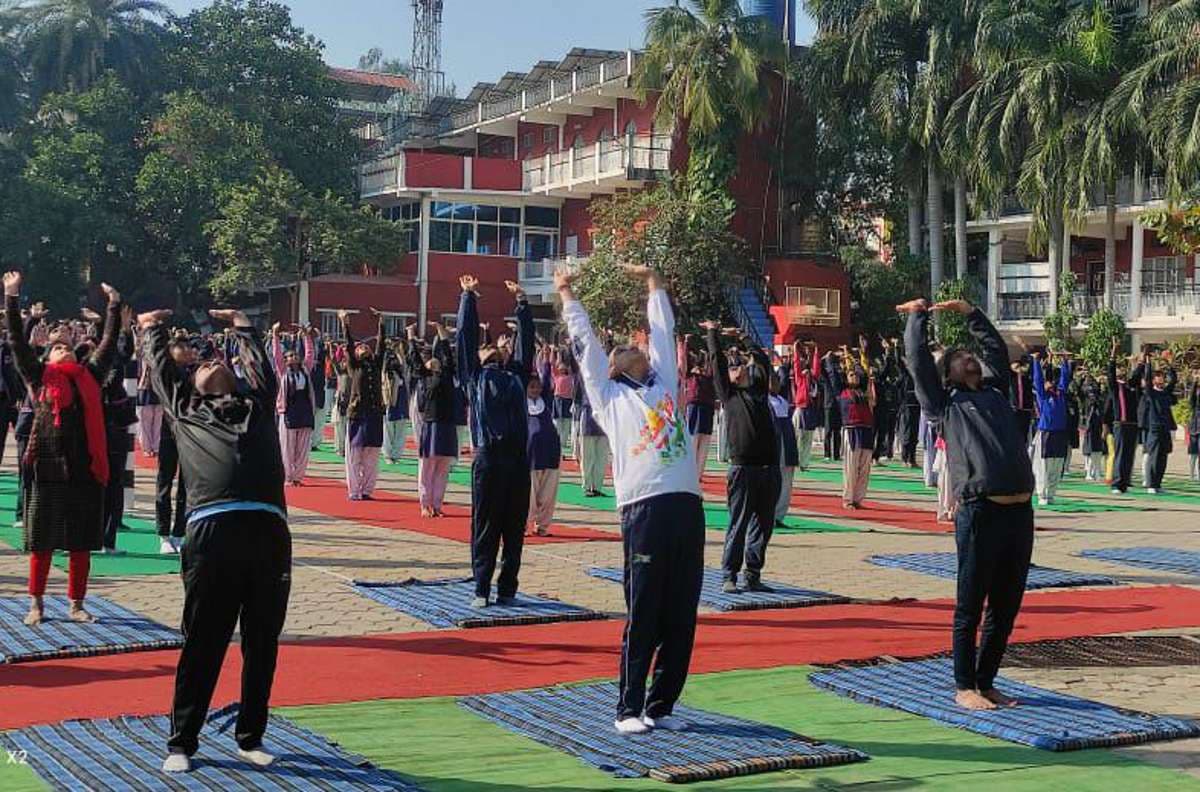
column 423, row 169
column 495, row 302
column 1151, row 247
column 589, row 127
column 495, row 174
column 362, row 294
column 498, row 146
column 577, row 220
column 641, row 114
column 536, row 148
column 785, row 272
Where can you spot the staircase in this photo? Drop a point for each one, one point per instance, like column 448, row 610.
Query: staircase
column 752, row 315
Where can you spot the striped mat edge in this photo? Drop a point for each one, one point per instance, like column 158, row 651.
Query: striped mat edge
column 101, row 608
column 916, row 562
column 726, row 603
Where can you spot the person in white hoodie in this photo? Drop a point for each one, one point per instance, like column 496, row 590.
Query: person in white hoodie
column 633, row 399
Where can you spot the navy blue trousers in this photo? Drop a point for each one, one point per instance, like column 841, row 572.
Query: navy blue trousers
column 995, row 544
column 499, row 510
column 753, row 493
column 1125, row 437
column 664, row 567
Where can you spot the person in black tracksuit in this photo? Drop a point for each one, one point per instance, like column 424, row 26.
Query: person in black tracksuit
column 1124, row 400
column 168, row 514
column 237, row 559
column 833, row 418
column 753, row 479
column 500, row 477
column 120, row 413
column 1158, row 398
column 992, row 480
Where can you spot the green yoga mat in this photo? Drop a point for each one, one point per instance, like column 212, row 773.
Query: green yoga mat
column 907, row 752
column 716, row 516
column 139, row 539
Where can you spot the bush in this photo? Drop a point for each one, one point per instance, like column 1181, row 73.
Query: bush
column 1102, row 328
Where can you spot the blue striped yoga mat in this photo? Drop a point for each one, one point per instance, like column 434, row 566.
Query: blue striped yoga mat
column 578, row 719
column 945, row 565
column 780, row 595
column 1162, row 559
column 126, row 753
column 1043, row 719
column 115, row 630
column 447, row 603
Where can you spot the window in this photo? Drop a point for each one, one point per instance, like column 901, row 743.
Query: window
column 527, row 141
column 814, row 306
column 548, row 135
column 450, row 321
column 540, row 245
column 394, row 323
column 479, row 229
column 542, row 217
column 329, row 324
column 410, row 215
column 1164, row 274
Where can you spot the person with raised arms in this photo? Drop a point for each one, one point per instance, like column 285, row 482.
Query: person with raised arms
column 633, row 398
column 993, row 486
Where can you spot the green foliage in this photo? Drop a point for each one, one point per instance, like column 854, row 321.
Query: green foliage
column 1178, row 227
column 1182, row 412
column 951, row 326
column 687, row 240
column 1060, row 323
column 1096, row 347
column 877, row 288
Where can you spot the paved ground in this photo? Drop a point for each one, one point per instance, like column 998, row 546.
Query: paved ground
column 329, row 553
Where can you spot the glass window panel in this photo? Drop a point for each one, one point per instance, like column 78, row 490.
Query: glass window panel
column 541, row 216
column 540, row 246
column 510, row 214
column 464, row 211
column 439, row 235
column 548, row 135
column 442, row 210
column 414, row 238
column 487, row 238
column 486, row 214
column 462, row 238
column 510, row 241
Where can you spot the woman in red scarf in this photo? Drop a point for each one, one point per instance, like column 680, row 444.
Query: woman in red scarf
column 66, row 460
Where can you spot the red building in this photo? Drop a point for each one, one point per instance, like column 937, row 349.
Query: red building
column 500, row 185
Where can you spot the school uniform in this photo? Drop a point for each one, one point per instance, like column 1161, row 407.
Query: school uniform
column 296, row 406
column 544, row 450
column 396, row 401
column 1052, row 435
column 149, row 413
column 858, row 422
column 1023, row 402
column 1092, row 434
column 322, row 394
column 833, row 418
column 120, row 413
column 592, row 444
column 987, row 461
column 789, row 454
column 236, row 562
column 753, row 479
column 886, row 407
column 364, row 416
column 500, row 474
column 662, row 515
column 908, row 418
column 563, row 404
column 437, row 441
column 1160, row 425
column 807, row 415
column 1124, row 399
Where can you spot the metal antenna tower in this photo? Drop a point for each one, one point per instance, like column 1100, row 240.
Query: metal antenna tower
column 427, row 48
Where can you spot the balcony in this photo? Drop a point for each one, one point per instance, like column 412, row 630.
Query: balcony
column 600, row 166
column 537, row 277
column 1024, row 307
column 1154, row 188
column 543, row 95
column 382, row 176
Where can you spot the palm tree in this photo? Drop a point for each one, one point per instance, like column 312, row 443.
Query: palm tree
column 1111, row 44
column 1164, row 89
column 70, row 43
column 11, row 70
column 707, row 59
column 879, row 47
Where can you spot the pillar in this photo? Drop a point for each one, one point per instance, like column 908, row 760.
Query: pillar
column 423, row 265
column 1135, row 269
column 995, row 258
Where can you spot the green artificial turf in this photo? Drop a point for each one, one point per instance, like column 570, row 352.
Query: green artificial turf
column 445, row 748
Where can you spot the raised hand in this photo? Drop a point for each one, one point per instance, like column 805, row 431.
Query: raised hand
column 149, row 318
column 90, row 315
column 231, row 315
column 468, row 283
column 913, row 306
column 375, row 312
column 957, row 306
column 112, row 294
column 709, row 324
column 637, row 270
column 126, row 315
column 514, row 288
column 563, row 276
column 12, row 284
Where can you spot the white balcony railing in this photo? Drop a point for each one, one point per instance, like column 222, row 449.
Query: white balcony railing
column 641, row 158
column 382, row 176
column 540, row 274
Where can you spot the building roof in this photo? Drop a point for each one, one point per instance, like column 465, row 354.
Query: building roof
column 372, row 86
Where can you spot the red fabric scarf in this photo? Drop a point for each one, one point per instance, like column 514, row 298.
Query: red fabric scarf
column 57, row 379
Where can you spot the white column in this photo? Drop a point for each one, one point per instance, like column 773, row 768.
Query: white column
column 303, row 307
column 423, row 265
column 1066, row 256
column 995, row 257
column 1135, row 268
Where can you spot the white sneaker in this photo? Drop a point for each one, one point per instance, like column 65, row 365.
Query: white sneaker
column 257, row 757
column 167, row 547
column 177, row 543
column 665, row 722
column 631, row 726
column 177, row 763
column 1151, row 491
column 1117, row 491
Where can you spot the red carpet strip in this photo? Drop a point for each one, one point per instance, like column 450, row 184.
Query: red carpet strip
column 463, row 662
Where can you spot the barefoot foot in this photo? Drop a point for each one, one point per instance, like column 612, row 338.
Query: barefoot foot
column 998, row 698
column 34, row 617
column 972, row 700
column 76, row 613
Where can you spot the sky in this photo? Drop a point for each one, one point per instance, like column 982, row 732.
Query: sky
column 481, row 39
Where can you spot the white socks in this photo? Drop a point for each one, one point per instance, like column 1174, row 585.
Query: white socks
column 177, row 763
column 631, row 726
column 257, row 757
column 666, row 723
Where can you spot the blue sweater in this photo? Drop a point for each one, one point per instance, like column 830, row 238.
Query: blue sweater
column 1052, row 408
